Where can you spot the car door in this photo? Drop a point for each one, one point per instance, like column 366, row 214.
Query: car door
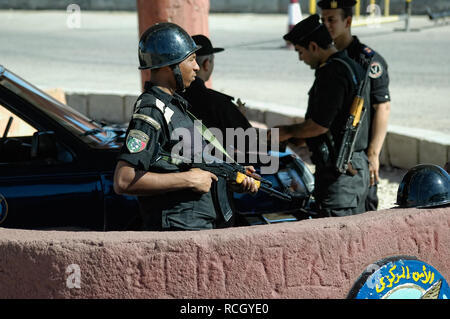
column 42, row 184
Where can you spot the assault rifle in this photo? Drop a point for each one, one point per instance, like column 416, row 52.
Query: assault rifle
column 351, row 128
column 237, row 173
column 231, row 172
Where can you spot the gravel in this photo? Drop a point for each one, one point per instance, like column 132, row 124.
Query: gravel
column 390, row 178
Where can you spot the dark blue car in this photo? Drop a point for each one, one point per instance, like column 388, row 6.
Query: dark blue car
column 57, row 166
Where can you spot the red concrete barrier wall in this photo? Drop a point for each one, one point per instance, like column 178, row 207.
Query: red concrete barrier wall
column 319, row 258
column 191, row 15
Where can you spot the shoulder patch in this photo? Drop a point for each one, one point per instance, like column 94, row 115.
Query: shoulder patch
column 376, row 70
column 368, row 52
column 147, row 119
column 136, row 141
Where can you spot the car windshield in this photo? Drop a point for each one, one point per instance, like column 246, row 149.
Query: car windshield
column 75, row 122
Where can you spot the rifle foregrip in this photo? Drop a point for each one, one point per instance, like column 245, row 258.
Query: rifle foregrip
column 240, row 178
column 356, row 109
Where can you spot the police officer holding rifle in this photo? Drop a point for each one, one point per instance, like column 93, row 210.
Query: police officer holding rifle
column 333, row 109
column 337, row 16
column 170, row 197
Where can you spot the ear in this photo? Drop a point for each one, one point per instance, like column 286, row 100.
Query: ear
column 313, row 46
column 206, row 65
column 348, row 22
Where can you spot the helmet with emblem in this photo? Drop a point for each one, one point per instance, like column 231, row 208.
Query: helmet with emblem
column 164, row 44
column 424, row 185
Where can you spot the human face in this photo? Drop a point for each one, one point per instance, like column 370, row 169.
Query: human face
column 336, row 25
column 307, row 55
column 189, row 69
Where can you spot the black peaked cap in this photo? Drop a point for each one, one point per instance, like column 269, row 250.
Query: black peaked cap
column 206, row 45
column 303, row 29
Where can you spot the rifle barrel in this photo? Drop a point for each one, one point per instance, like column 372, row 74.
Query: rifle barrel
column 275, row 193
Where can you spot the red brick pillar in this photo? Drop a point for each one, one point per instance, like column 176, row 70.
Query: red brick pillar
column 191, row 15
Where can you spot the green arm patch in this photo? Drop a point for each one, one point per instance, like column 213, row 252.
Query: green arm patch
column 136, row 141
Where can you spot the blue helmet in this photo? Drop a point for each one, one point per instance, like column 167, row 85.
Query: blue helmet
column 424, row 185
column 164, row 44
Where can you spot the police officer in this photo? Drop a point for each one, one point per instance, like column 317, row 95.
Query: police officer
column 170, row 199
column 337, row 17
column 330, row 98
column 215, row 109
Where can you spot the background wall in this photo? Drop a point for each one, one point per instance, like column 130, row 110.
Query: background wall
column 217, row 6
column 280, row 6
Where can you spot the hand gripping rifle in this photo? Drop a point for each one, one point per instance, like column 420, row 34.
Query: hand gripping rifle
column 234, row 172
column 231, row 172
column 352, row 126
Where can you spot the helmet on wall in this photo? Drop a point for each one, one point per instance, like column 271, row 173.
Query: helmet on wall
column 424, row 185
column 164, row 44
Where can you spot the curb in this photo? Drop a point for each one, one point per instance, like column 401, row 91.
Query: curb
column 403, row 148
column 373, row 21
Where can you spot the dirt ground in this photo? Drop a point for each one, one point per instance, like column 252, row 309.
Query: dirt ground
column 390, row 178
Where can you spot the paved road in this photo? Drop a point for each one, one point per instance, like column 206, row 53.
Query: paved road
column 101, row 56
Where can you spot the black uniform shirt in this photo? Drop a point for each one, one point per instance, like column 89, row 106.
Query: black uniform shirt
column 215, row 109
column 156, row 116
column 152, row 116
column 331, row 96
column 379, row 76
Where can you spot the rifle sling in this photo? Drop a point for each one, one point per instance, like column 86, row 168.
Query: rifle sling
column 207, row 135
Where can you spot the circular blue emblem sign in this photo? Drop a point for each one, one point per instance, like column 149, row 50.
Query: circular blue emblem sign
column 3, row 208
column 400, row 277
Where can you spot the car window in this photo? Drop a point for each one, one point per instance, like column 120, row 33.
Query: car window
column 22, row 144
column 77, row 124
column 18, row 127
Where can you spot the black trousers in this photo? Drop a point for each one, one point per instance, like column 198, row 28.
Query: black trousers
column 342, row 194
column 372, row 198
